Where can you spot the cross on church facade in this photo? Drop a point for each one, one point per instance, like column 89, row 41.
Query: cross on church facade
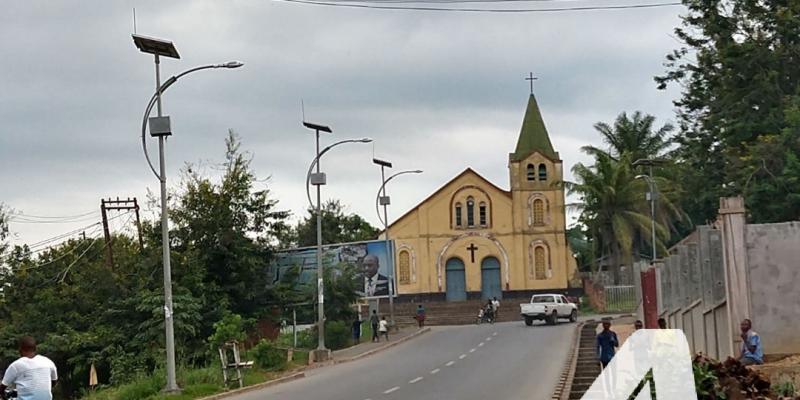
column 472, row 249
column 531, row 78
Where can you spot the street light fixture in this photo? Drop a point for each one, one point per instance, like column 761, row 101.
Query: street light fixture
column 160, row 127
column 384, row 200
column 318, row 179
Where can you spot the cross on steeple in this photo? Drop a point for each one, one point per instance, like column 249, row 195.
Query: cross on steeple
column 472, row 249
column 531, row 78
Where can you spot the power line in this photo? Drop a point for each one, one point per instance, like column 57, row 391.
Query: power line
column 96, row 233
column 479, row 10
column 21, row 214
column 38, row 246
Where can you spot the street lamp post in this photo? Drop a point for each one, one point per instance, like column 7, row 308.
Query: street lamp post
column 652, row 194
column 160, row 127
column 318, row 179
column 652, row 197
column 382, row 199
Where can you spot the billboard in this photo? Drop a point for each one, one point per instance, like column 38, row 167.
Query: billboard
column 371, row 258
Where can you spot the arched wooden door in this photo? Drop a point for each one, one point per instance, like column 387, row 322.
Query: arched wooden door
column 455, row 280
column 490, row 279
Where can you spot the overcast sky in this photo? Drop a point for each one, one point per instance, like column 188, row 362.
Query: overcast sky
column 436, row 91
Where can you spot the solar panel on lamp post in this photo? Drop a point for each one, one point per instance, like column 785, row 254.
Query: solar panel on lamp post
column 160, row 127
column 318, row 179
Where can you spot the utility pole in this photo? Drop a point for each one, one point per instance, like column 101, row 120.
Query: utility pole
column 118, row 205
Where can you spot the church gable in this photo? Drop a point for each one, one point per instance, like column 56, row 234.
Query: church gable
column 468, row 201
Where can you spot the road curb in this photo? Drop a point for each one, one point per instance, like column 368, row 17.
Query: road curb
column 382, row 348
column 562, row 391
column 258, row 386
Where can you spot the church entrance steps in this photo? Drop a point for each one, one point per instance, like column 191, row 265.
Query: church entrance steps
column 449, row 313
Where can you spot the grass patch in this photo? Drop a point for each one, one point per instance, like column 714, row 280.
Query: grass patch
column 194, row 383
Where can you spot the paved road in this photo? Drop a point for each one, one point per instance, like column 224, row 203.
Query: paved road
column 498, row 362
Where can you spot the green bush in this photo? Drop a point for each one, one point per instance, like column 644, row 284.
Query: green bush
column 306, row 339
column 268, row 356
column 784, row 388
column 337, row 335
column 230, row 327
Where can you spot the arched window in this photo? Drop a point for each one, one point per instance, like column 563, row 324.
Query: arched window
column 542, row 172
column 539, row 263
column 531, row 173
column 538, row 212
column 482, row 213
column 458, row 214
column 404, row 268
column 470, row 212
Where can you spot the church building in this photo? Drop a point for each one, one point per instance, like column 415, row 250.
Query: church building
column 472, row 239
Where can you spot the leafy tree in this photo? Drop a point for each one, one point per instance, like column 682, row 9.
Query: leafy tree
column 3, row 229
column 83, row 311
column 227, row 229
column 612, row 208
column 337, row 227
column 579, row 242
column 740, row 78
column 633, row 136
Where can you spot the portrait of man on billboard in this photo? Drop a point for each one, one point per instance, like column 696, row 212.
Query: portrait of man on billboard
column 375, row 284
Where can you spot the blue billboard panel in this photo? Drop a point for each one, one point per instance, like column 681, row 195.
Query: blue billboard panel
column 371, row 259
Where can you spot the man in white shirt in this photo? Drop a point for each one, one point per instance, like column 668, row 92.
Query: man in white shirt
column 32, row 375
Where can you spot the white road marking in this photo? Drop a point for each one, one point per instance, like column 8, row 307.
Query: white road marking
column 449, row 363
column 435, row 371
column 494, row 334
column 415, row 380
column 463, row 356
column 472, row 350
column 396, row 388
column 488, row 339
column 480, row 344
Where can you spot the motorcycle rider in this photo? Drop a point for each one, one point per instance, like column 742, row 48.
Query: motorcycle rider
column 32, row 374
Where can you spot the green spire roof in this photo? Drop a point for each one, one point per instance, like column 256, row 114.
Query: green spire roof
column 533, row 135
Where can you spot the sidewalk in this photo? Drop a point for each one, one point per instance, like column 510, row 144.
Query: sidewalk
column 368, row 347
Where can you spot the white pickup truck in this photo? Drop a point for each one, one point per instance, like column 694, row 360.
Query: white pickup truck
column 548, row 307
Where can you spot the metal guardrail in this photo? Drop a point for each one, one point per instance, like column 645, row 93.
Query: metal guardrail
column 621, row 298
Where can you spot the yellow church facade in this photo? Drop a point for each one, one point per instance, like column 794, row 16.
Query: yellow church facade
column 473, row 239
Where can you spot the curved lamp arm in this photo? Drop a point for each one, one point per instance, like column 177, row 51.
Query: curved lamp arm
column 380, row 190
column 649, row 180
column 164, row 86
column 316, row 160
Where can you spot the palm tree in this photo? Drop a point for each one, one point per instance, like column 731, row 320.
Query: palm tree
column 611, row 202
column 633, row 136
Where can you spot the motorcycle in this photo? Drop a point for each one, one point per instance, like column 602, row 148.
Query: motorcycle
column 9, row 394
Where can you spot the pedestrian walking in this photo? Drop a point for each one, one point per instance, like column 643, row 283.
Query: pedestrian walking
column 420, row 317
column 607, row 342
column 374, row 322
column 662, row 323
column 752, row 353
column 357, row 329
column 638, row 325
column 384, row 328
column 495, row 307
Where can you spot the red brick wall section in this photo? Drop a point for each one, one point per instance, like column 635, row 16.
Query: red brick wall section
column 596, row 294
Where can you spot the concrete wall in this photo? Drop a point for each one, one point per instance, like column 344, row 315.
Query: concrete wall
column 692, row 297
column 700, row 286
column 773, row 256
